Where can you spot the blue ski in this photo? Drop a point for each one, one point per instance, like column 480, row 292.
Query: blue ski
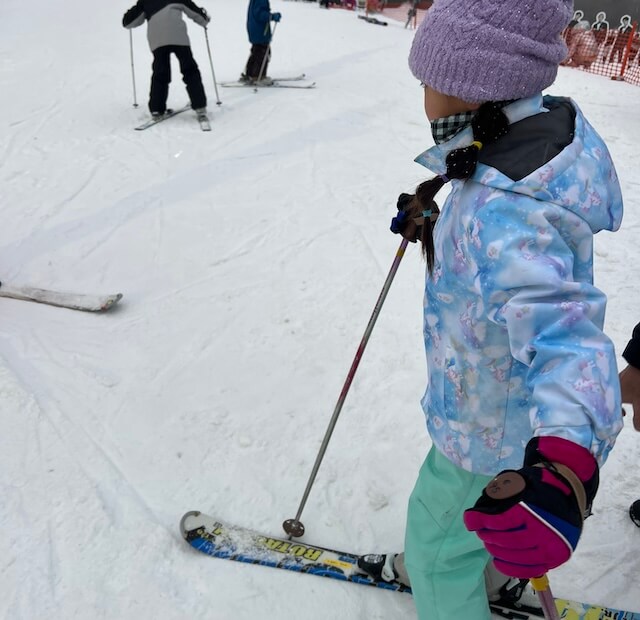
column 220, row 540
column 231, row 542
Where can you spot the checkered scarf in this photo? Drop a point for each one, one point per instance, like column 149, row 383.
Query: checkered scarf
column 444, row 129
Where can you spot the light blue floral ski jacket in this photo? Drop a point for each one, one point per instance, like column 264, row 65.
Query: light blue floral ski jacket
column 512, row 321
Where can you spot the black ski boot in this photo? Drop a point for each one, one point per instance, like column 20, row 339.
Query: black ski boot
column 516, row 595
column 389, row 567
column 380, row 567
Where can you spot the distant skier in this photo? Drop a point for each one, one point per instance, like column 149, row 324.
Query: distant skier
column 167, row 34
column 259, row 16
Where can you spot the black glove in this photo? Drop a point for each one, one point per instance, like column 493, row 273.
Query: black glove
column 410, row 218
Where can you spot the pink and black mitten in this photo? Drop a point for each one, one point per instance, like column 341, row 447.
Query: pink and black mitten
column 530, row 520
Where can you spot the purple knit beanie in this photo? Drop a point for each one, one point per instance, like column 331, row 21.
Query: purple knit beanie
column 490, row 50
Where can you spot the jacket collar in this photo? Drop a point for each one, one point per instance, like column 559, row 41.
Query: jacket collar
column 435, row 158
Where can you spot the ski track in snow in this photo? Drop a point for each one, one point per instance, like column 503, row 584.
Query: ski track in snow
column 250, row 259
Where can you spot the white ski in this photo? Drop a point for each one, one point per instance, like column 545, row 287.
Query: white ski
column 168, row 114
column 292, row 78
column 276, row 84
column 295, row 78
column 73, row 301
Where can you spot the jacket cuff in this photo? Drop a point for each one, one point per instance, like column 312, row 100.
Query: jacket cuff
column 550, row 450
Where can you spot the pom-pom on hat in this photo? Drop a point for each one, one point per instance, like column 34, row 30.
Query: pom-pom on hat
column 490, row 50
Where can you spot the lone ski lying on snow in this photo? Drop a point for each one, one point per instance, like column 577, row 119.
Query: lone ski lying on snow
column 218, row 539
column 73, row 301
column 168, row 114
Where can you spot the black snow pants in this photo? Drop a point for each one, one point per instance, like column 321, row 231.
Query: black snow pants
column 161, row 77
column 258, row 53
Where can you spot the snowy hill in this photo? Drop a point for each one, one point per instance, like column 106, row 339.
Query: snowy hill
column 250, row 259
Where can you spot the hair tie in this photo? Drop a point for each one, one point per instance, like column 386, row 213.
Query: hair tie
column 426, row 213
column 477, row 144
column 445, row 178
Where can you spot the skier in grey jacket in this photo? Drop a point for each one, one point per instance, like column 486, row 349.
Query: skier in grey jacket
column 167, row 34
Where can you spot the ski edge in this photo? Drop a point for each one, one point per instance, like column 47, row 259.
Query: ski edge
column 71, row 301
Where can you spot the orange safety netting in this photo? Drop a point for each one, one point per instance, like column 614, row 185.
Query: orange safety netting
column 614, row 53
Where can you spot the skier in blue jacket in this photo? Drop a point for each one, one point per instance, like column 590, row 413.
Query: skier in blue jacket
column 259, row 16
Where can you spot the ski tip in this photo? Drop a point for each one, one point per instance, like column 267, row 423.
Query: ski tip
column 183, row 528
column 111, row 301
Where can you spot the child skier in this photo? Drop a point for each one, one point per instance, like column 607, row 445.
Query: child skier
column 167, row 34
column 521, row 376
column 259, row 30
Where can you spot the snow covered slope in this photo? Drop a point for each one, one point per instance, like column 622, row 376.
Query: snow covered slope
column 250, row 259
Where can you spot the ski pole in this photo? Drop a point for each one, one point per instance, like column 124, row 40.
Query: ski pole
column 541, row 586
column 294, row 527
column 133, row 71
column 266, row 56
column 213, row 73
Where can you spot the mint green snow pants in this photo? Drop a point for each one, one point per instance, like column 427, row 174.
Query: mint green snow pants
column 445, row 562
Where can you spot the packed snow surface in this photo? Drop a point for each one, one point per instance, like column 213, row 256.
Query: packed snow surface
column 250, row 259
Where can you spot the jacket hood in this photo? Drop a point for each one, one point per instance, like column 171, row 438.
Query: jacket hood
column 552, row 154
